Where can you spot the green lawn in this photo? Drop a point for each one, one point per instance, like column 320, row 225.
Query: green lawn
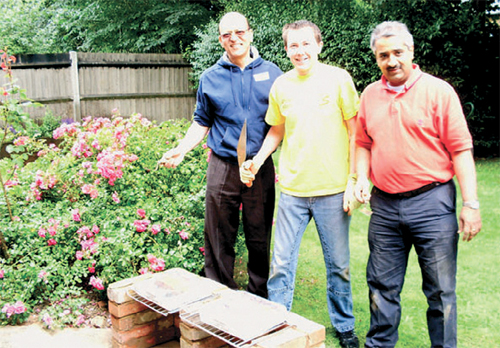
column 478, row 286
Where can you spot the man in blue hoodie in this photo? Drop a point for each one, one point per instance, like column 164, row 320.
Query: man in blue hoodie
column 232, row 91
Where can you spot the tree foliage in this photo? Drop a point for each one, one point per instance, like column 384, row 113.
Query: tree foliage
column 139, row 26
column 458, row 42
column 27, row 26
column 454, row 40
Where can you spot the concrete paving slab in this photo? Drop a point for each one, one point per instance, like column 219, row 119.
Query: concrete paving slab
column 35, row 336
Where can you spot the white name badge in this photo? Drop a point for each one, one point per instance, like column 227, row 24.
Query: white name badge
column 261, row 77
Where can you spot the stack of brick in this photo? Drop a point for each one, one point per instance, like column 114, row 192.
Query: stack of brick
column 192, row 337
column 301, row 333
column 134, row 325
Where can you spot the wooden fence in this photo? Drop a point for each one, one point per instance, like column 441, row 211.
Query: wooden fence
column 75, row 85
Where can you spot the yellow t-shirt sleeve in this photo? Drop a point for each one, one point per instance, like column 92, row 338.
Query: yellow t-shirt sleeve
column 349, row 97
column 273, row 115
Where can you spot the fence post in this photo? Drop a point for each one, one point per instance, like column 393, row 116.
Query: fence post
column 75, row 84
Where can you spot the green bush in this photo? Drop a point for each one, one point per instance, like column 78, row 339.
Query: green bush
column 455, row 40
column 96, row 210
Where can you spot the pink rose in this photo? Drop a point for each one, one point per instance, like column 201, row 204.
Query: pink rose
column 8, row 309
column 151, row 258
column 155, row 229
column 79, row 255
column 80, row 320
column 52, row 230
column 184, row 235
column 96, row 283
column 19, row 307
column 51, row 242
column 76, row 215
column 2, row 273
column 47, row 320
column 141, row 225
column 42, row 232
column 141, row 213
column 21, row 140
column 115, row 197
column 158, row 266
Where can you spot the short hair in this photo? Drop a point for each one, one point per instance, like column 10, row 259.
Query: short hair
column 299, row 25
column 388, row 29
column 235, row 14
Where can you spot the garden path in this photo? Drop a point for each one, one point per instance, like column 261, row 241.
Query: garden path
column 35, row 336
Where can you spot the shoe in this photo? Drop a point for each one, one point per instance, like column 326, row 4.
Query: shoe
column 348, row 339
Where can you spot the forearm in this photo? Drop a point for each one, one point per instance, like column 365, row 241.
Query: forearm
column 351, row 128
column 271, row 142
column 363, row 157
column 465, row 170
column 195, row 134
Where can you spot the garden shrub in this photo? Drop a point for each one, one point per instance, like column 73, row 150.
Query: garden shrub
column 455, row 40
column 95, row 210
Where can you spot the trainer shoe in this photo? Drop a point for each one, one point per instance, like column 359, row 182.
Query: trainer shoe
column 348, row 339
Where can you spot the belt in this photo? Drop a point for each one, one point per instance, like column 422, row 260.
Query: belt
column 409, row 194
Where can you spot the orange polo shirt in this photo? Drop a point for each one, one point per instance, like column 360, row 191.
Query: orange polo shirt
column 411, row 134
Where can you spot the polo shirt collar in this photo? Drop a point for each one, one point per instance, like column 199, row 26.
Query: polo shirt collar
column 414, row 77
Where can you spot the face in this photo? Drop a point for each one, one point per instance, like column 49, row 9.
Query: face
column 235, row 36
column 394, row 59
column 303, row 49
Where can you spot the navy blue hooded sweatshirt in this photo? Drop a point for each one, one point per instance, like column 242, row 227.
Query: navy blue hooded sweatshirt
column 227, row 96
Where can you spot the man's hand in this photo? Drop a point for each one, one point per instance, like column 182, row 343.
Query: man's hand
column 350, row 201
column 247, row 172
column 362, row 190
column 171, row 158
column 469, row 223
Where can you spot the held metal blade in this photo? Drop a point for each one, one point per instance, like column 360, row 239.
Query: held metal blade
column 241, row 150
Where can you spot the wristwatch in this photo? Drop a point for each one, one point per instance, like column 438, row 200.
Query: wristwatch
column 472, row 204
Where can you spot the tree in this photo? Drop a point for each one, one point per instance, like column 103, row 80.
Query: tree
column 26, row 27
column 458, row 42
column 454, row 40
column 139, row 26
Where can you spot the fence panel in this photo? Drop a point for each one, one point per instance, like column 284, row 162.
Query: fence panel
column 77, row 85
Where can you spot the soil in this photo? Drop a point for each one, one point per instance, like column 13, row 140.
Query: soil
column 95, row 311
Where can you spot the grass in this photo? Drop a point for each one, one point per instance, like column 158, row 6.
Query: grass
column 478, row 287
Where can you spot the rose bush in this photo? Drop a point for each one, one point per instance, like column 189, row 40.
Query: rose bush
column 94, row 210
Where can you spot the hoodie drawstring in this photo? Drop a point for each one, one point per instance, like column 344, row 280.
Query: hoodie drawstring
column 250, row 93
column 232, row 87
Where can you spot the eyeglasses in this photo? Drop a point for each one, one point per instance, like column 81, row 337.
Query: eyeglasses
column 239, row 33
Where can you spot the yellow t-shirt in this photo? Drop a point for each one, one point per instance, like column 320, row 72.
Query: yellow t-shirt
column 314, row 159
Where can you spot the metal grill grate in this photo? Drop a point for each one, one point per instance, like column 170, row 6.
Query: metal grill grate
column 149, row 303
column 195, row 320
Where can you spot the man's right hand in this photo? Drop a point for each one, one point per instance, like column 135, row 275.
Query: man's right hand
column 247, row 172
column 171, row 158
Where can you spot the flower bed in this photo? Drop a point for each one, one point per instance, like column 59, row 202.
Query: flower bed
column 95, row 210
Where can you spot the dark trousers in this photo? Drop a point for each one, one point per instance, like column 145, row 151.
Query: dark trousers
column 428, row 222
column 225, row 194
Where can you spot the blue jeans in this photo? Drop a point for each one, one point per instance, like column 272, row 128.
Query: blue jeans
column 332, row 223
column 428, row 222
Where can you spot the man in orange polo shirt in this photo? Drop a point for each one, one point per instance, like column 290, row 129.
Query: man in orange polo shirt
column 411, row 140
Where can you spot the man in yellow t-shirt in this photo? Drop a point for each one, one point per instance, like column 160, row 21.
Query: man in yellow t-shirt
column 312, row 108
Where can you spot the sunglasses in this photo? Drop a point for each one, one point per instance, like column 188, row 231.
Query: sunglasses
column 239, row 33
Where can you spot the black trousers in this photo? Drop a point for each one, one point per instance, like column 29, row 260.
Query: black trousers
column 225, row 193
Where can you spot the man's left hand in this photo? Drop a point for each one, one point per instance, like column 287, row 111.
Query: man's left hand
column 350, row 201
column 469, row 223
